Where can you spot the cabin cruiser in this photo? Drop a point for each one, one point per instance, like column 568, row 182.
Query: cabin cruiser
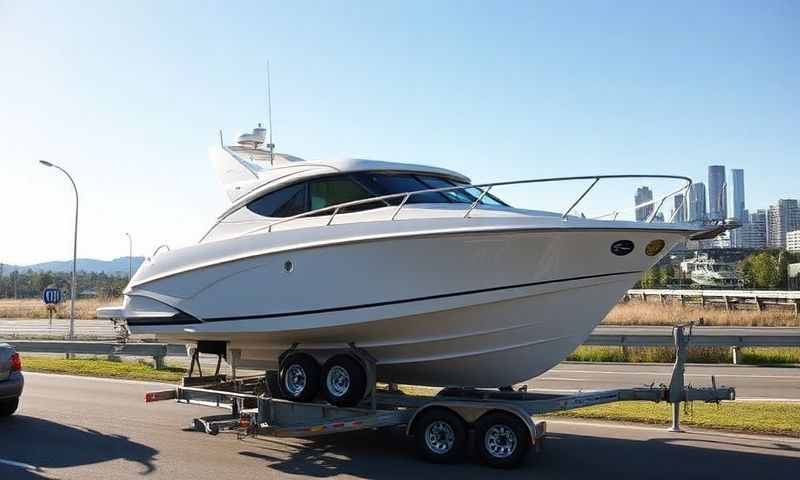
column 705, row 271
column 436, row 280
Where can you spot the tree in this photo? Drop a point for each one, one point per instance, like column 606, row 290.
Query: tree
column 652, row 278
column 765, row 271
column 666, row 276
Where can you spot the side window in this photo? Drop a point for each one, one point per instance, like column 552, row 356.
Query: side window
column 487, row 199
column 326, row 192
column 286, row 202
column 386, row 184
column 455, row 196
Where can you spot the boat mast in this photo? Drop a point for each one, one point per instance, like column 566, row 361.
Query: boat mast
column 270, row 146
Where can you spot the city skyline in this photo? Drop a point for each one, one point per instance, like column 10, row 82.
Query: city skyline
column 128, row 96
column 768, row 227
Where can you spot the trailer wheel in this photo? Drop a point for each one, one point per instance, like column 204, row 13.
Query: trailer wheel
column 273, row 383
column 441, row 436
column 299, row 377
column 344, row 381
column 502, row 440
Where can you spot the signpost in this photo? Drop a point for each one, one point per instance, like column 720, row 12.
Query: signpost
column 51, row 297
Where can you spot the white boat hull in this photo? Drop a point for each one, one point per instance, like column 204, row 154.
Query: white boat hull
column 483, row 308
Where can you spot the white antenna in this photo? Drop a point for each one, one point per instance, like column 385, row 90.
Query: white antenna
column 270, row 146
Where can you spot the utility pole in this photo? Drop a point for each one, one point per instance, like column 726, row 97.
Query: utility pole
column 71, row 333
column 130, row 256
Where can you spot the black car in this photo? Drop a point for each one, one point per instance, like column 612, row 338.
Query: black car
column 11, row 381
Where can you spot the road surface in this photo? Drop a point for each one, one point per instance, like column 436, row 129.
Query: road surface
column 80, row 428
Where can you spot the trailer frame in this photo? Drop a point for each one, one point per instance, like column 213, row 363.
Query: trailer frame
column 254, row 411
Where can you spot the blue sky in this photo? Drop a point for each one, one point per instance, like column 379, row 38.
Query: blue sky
column 128, row 95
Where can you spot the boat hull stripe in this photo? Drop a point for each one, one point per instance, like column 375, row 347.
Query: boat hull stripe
column 417, row 299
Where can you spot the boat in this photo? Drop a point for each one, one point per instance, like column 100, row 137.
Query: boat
column 705, row 271
column 435, row 279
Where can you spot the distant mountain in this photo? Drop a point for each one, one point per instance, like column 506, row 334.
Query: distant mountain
column 118, row 265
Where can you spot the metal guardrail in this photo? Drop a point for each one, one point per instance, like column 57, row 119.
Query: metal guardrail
column 57, row 328
column 772, row 294
column 158, row 351
column 730, row 298
column 604, row 336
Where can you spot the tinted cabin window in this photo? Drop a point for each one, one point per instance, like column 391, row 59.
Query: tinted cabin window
column 455, row 196
column 387, row 184
column 285, row 202
column 487, row 199
column 333, row 191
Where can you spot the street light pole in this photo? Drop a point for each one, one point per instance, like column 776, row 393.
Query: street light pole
column 130, row 256
column 71, row 332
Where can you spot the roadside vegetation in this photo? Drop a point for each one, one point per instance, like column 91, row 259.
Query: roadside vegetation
column 633, row 313
column 750, row 417
column 95, row 367
column 749, row 355
column 34, row 308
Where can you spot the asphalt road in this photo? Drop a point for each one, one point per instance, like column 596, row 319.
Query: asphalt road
column 82, row 428
column 749, row 381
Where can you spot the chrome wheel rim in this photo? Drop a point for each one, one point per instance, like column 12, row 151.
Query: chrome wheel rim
column 295, row 380
column 440, row 437
column 500, row 441
column 338, row 381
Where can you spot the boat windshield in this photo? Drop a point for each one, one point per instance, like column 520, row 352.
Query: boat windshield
column 381, row 183
column 336, row 189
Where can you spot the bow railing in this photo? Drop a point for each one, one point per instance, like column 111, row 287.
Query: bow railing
column 485, row 188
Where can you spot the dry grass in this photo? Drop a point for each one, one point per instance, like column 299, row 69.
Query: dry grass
column 34, row 308
column 622, row 314
column 671, row 314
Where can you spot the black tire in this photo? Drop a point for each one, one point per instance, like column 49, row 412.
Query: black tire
column 299, row 377
column 437, row 428
column 8, row 406
column 344, row 381
column 501, row 439
column 273, row 383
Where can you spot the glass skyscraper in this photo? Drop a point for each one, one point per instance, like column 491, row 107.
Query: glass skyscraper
column 717, row 193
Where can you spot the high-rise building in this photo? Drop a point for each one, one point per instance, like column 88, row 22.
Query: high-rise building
column 644, row 195
column 737, row 177
column 679, row 211
column 697, row 203
column 793, row 241
column 717, row 193
column 753, row 234
column 782, row 218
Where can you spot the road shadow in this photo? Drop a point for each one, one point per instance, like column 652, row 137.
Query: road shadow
column 389, row 454
column 42, row 444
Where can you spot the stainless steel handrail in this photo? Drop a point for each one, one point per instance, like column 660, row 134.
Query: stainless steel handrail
column 158, row 249
column 484, row 188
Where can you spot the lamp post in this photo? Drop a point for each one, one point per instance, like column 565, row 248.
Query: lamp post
column 130, row 256
column 71, row 332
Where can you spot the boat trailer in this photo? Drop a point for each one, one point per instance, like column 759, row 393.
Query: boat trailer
column 502, row 421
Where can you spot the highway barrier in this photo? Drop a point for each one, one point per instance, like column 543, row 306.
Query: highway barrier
column 734, row 337
column 730, row 299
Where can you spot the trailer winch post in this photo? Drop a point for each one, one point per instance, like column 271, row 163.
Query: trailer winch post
column 677, row 387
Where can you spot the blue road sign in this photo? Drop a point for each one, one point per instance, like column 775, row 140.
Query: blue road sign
column 51, row 296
